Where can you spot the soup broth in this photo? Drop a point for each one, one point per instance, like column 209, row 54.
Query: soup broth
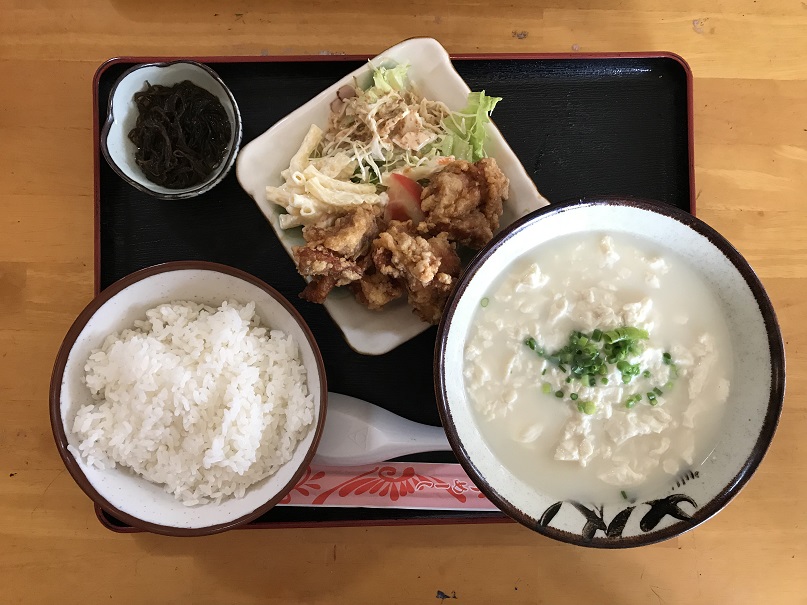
column 598, row 368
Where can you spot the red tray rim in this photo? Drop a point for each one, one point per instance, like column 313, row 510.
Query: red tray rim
column 469, row 517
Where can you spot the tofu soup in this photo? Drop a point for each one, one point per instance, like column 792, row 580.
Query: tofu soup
column 598, row 368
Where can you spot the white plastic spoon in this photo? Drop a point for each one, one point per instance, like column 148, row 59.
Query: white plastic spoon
column 358, row 432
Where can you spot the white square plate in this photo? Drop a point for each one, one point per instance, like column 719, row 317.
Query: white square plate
column 262, row 160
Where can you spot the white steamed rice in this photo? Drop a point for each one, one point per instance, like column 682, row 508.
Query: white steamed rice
column 201, row 400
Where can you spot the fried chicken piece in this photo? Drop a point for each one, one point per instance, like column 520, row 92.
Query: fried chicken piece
column 446, row 252
column 400, row 253
column 317, row 290
column 429, row 301
column 375, row 290
column 464, row 200
column 336, row 251
column 327, row 269
column 428, row 267
column 350, row 234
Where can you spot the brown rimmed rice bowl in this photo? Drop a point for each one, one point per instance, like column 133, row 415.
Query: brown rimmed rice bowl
column 131, row 498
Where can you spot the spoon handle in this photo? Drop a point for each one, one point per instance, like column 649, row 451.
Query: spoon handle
column 357, row 432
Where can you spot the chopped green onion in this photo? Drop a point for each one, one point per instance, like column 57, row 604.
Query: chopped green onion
column 626, row 333
column 667, row 358
column 633, row 400
column 543, row 372
column 651, row 397
column 669, row 385
column 587, row 407
column 573, row 396
column 484, row 302
column 587, row 357
column 657, row 391
column 559, row 394
column 546, row 388
column 624, row 495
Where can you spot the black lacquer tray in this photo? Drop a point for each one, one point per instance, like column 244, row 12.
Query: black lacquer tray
column 581, row 125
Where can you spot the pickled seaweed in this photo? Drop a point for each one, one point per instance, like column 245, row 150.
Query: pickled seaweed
column 182, row 134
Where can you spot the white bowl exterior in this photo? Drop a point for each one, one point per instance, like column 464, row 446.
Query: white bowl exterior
column 750, row 385
column 261, row 161
column 130, row 493
column 124, row 112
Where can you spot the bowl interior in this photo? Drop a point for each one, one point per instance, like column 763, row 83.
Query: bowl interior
column 123, row 117
column 752, row 385
column 131, row 494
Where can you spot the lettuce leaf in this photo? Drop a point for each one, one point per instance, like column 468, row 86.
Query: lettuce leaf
column 389, row 79
column 466, row 128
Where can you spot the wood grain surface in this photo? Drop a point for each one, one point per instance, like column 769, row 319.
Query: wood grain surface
column 749, row 58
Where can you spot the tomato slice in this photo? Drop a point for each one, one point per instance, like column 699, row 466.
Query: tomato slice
column 404, row 199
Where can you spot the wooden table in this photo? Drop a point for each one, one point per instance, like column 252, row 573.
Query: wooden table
column 749, row 58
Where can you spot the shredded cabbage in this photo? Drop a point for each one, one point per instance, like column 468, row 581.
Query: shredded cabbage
column 389, row 127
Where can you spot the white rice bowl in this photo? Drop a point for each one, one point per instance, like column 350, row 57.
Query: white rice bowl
column 191, row 421
column 201, row 400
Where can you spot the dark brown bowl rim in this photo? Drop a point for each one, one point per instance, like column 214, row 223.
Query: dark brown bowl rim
column 227, row 163
column 57, row 426
column 775, row 400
